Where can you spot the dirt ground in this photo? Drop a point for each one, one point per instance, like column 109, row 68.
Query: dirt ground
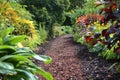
column 72, row 61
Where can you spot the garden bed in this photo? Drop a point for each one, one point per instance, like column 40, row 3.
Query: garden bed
column 97, row 68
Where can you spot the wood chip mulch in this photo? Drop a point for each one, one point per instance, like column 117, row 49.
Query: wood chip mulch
column 65, row 64
column 72, row 61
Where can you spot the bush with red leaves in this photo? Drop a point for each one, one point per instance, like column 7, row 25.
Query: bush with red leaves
column 109, row 39
column 89, row 19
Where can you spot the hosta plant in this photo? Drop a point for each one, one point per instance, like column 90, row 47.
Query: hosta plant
column 17, row 63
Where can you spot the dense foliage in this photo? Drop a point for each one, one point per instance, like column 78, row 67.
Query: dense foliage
column 16, row 62
column 14, row 14
column 51, row 12
column 101, row 33
column 17, row 29
column 47, row 12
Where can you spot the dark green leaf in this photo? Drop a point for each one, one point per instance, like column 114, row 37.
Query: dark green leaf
column 26, row 75
column 16, row 58
column 41, row 72
column 7, row 68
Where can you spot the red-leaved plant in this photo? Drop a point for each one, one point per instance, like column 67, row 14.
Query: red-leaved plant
column 107, row 42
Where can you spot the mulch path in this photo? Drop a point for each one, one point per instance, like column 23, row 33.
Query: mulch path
column 72, row 61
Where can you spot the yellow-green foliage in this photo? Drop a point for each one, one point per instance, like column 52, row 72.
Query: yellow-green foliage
column 57, row 30
column 10, row 17
column 43, row 33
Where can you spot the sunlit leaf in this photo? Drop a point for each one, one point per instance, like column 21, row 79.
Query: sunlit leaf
column 43, row 58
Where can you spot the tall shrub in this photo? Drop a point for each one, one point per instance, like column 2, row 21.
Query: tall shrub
column 13, row 14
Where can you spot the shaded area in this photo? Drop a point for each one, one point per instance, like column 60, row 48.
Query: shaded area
column 97, row 68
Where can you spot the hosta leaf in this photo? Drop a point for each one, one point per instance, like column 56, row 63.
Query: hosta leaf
column 41, row 72
column 7, row 48
column 14, row 39
column 16, row 58
column 6, row 65
column 7, row 71
column 7, row 68
column 26, row 75
column 17, row 39
column 23, row 50
column 44, row 58
column 45, row 74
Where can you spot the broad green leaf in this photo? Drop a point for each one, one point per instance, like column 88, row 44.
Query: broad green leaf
column 7, row 31
column 44, row 58
column 0, row 40
column 7, row 71
column 17, row 39
column 6, row 65
column 45, row 74
column 14, row 39
column 25, row 54
column 16, row 58
column 3, row 47
column 7, row 68
column 26, row 75
column 7, row 48
column 41, row 72
column 23, row 50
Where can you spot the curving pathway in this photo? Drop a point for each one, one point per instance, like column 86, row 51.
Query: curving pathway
column 65, row 64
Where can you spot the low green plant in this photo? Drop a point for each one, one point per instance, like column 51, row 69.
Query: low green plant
column 57, row 29
column 43, row 33
column 67, row 29
column 61, row 30
column 17, row 63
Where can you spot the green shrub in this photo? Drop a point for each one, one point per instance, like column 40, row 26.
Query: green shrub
column 17, row 63
column 43, row 33
column 61, row 30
